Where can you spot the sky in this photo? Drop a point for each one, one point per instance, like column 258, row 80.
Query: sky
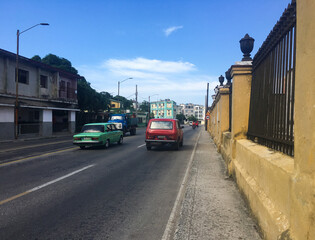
column 170, row 48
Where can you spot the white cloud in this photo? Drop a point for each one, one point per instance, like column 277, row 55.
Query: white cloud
column 176, row 80
column 149, row 65
column 170, row 30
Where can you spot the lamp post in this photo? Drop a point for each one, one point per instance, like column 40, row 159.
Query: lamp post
column 16, row 119
column 122, row 82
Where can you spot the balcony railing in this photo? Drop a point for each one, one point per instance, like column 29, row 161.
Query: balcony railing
column 67, row 94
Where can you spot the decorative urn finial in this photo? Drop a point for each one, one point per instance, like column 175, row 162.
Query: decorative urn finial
column 221, row 80
column 247, row 45
column 228, row 77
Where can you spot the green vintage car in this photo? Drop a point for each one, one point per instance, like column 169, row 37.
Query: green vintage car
column 98, row 134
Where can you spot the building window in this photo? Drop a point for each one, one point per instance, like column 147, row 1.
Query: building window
column 62, row 86
column 43, row 81
column 23, row 76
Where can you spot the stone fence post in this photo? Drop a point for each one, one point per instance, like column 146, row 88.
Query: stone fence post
column 241, row 74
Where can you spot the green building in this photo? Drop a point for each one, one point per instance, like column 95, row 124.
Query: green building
column 163, row 109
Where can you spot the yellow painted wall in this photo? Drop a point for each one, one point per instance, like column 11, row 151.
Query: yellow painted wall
column 115, row 104
column 242, row 78
column 264, row 176
column 303, row 188
column 280, row 189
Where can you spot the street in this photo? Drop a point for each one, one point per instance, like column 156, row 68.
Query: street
column 50, row 189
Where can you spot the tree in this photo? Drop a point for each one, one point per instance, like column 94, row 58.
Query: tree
column 58, row 62
column 125, row 103
column 36, row 58
column 181, row 117
column 192, row 118
column 144, row 106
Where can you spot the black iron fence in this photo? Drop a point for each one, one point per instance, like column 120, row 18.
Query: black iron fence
column 271, row 116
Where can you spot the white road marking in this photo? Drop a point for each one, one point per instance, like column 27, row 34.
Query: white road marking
column 141, row 146
column 59, row 179
column 45, row 184
column 172, row 221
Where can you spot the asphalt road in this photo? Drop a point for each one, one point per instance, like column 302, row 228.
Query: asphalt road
column 50, row 189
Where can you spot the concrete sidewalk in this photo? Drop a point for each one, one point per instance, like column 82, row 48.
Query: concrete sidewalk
column 212, row 207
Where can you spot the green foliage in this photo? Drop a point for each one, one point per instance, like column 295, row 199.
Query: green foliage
column 58, row 62
column 125, row 103
column 192, row 118
column 144, row 106
column 89, row 99
column 181, row 117
column 36, row 58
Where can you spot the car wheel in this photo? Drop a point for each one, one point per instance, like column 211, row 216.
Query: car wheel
column 82, row 147
column 148, row 145
column 121, row 140
column 176, row 145
column 106, row 145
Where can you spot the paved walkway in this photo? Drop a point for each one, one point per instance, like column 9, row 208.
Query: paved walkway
column 212, row 207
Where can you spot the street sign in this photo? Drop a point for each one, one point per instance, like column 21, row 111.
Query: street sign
column 207, row 117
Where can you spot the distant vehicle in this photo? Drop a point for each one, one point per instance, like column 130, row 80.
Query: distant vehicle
column 125, row 122
column 190, row 123
column 98, row 134
column 164, row 131
column 195, row 124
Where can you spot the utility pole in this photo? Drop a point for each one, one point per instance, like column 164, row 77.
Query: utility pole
column 206, row 120
column 136, row 101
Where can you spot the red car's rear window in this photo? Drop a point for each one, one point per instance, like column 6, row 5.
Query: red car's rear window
column 167, row 125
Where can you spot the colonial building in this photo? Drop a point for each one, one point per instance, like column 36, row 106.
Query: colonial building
column 46, row 98
column 163, row 109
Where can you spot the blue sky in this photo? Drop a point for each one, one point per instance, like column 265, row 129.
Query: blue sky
column 171, row 48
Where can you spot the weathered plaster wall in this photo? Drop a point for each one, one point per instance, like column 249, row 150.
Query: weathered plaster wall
column 303, row 189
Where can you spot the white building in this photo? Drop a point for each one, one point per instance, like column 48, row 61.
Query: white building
column 47, row 98
column 190, row 109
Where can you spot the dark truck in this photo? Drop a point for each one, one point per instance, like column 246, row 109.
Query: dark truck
column 125, row 122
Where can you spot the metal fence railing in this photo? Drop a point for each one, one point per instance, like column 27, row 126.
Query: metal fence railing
column 271, row 116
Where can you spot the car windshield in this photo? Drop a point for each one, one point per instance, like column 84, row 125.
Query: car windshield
column 161, row 125
column 92, row 128
column 116, row 118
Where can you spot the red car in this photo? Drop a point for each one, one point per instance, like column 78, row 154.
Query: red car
column 164, row 131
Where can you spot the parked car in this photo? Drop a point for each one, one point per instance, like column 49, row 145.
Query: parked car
column 190, row 123
column 98, row 134
column 164, row 131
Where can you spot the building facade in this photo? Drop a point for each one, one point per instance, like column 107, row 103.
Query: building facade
column 45, row 98
column 163, row 109
column 190, row 109
column 199, row 112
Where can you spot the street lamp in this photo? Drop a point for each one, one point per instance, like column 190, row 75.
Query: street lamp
column 18, row 33
column 122, row 82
